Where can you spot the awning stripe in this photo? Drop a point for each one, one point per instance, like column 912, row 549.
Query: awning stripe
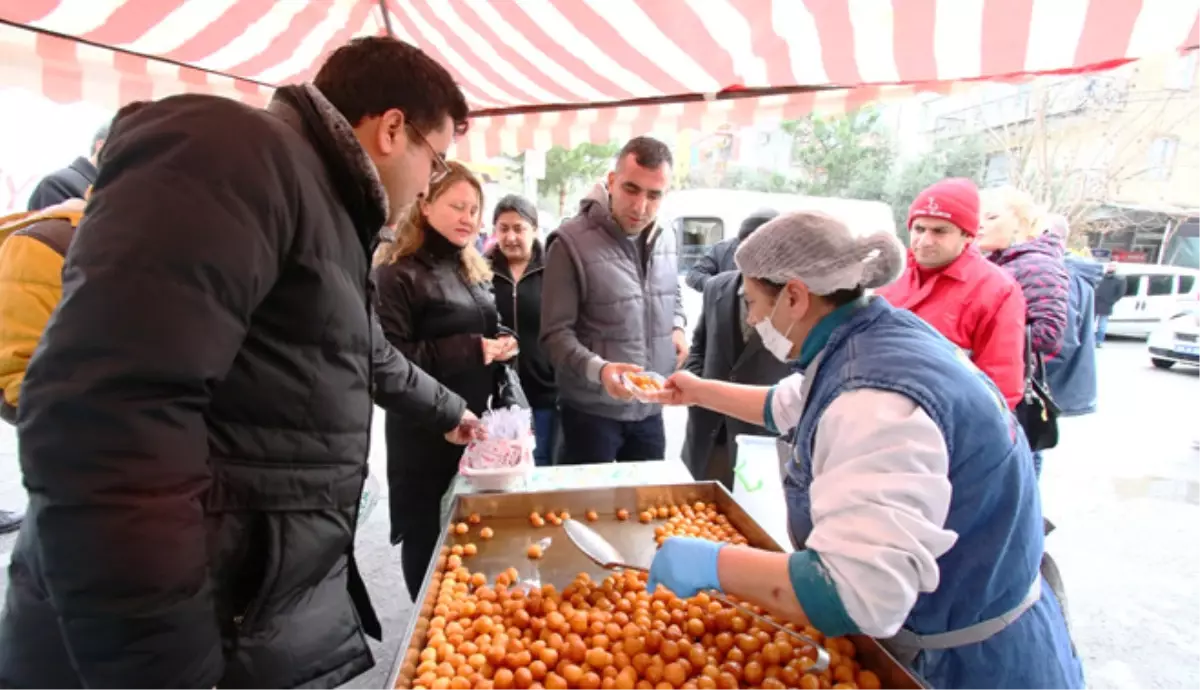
column 683, row 27
column 478, row 54
column 481, row 93
column 606, row 50
column 212, row 36
column 914, row 24
column 561, row 38
column 629, row 35
column 130, row 19
column 365, row 20
column 495, row 51
column 281, row 30
column 563, row 53
column 512, row 134
column 515, row 45
column 835, row 35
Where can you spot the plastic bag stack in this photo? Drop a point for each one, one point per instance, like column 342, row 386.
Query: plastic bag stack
column 508, row 443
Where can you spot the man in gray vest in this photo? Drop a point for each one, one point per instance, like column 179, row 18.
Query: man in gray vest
column 610, row 306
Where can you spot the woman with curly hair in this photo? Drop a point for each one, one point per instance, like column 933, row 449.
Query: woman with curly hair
column 435, row 304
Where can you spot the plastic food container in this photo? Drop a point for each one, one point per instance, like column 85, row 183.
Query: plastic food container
column 642, row 382
column 497, row 464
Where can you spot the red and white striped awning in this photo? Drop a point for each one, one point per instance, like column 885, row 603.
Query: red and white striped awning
column 542, row 72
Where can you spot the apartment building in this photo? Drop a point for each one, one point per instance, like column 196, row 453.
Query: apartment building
column 1118, row 152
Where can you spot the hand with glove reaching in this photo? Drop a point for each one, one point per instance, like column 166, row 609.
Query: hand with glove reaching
column 686, row 565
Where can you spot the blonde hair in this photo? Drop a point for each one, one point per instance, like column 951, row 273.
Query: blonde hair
column 1030, row 215
column 410, row 231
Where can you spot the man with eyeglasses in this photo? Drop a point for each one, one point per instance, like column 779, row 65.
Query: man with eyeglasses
column 195, row 425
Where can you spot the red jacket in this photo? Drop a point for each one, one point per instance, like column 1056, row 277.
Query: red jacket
column 979, row 308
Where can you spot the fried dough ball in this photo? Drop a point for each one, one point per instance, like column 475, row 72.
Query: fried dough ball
column 461, row 528
column 622, row 514
column 611, row 633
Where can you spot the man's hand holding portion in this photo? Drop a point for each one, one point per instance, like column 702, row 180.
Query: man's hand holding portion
column 610, row 376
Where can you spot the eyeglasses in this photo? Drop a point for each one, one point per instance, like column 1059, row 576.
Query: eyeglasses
column 438, row 167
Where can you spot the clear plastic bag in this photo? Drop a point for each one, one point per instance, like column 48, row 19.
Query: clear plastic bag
column 505, row 455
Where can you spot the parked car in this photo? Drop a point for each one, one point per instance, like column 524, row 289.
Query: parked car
column 1177, row 340
column 1154, row 292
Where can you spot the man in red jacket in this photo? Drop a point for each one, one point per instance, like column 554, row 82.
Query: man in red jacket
column 950, row 285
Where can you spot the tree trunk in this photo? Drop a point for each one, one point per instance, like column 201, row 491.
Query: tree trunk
column 562, row 200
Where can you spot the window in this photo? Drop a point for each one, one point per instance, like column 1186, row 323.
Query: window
column 996, row 169
column 1160, row 285
column 1181, row 72
column 1132, row 285
column 1186, row 283
column 702, row 231
column 1162, row 157
column 696, row 235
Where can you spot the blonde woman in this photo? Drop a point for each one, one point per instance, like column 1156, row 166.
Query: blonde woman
column 435, row 304
column 1010, row 235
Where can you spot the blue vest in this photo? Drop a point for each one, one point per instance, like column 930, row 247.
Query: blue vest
column 995, row 508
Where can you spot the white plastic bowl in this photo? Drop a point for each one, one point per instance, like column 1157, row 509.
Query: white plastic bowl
column 505, row 479
column 501, row 478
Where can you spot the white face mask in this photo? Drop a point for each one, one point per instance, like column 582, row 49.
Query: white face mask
column 776, row 343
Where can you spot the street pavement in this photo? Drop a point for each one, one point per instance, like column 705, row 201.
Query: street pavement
column 1122, row 489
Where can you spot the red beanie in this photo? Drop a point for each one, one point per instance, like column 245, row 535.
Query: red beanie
column 955, row 199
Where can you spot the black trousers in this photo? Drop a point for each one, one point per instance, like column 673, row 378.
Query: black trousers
column 417, row 547
column 589, row 439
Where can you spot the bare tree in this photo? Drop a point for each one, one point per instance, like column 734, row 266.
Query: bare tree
column 1074, row 143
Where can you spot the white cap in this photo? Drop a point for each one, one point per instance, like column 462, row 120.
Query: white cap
column 821, row 252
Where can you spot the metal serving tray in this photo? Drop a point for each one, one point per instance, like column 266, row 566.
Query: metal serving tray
column 508, row 516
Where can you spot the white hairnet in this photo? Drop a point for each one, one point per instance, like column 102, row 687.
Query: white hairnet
column 821, row 252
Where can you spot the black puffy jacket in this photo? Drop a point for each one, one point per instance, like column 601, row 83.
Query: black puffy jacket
column 69, row 183
column 195, row 424
column 437, row 319
column 520, row 305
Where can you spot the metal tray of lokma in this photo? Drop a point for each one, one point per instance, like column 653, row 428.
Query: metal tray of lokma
column 507, row 516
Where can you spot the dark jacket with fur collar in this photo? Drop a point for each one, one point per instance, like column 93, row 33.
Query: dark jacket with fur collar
column 212, row 360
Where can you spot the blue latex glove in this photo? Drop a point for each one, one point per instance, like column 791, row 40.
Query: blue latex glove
column 686, row 565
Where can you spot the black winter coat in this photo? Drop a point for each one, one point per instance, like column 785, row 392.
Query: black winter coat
column 69, row 183
column 520, row 306
column 719, row 351
column 1110, row 291
column 717, row 260
column 195, row 424
column 433, row 316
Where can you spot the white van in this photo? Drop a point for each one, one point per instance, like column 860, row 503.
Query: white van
column 1152, row 293
column 703, row 217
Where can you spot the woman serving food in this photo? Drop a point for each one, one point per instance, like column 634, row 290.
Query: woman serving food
column 911, row 491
